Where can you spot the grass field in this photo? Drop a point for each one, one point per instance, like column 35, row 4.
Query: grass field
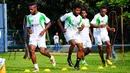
column 19, row 64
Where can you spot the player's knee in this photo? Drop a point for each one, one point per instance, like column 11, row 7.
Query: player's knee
column 42, row 50
column 32, row 52
column 73, row 44
column 81, row 49
column 108, row 45
column 100, row 50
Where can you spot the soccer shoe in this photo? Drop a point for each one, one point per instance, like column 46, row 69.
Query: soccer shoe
column 77, row 67
column 104, row 65
column 52, row 60
column 84, row 63
column 36, row 70
column 70, row 62
column 109, row 62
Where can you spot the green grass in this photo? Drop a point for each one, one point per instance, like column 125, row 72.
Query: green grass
column 19, row 64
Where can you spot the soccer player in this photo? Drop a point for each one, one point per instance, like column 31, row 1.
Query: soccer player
column 73, row 22
column 100, row 27
column 36, row 27
column 56, row 42
column 87, row 43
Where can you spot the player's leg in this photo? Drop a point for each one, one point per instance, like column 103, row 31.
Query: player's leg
column 32, row 47
column 106, row 40
column 43, row 51
column 98, row 41
column 33, row 57
column 71, row 48
column 113, row 53
column 87, row 49
column 109, row 52
column 58, row 47
column 80, row 55
column 101, row 54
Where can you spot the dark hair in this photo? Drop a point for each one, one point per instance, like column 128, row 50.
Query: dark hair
column 103, row 7
column 33, row 3
column 76, row 5
column 83, row 9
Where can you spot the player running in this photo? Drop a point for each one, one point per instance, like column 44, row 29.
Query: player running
column 36, row 27
column 73, row 22
column 87, row 44
column 100, row 27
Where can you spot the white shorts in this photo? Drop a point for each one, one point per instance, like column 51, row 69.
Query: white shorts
column 99, row 39
column 86, row 43
column 37, row 40
column 73, row 36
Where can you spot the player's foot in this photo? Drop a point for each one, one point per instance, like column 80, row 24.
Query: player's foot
column 69, row 62
column 84, row 63
column 76, row 67
column 77, row 64
column 104, row 63
column 52, row 60
column 36, row 70
column 109, row 62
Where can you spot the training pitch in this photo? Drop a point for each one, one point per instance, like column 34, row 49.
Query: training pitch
column 19, row 65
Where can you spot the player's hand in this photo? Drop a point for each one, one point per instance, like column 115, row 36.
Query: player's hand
column 42, row 32
column 113, row 29
column 30, row 31
column 64, row 30
column 82, row 25
column 102, row 26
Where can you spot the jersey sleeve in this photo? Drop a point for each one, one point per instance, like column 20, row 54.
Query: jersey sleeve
column 80, row 22
column 94, row 20
column 28, row 21
column 54, row 37
column 45, row 18
column 106, row 20
column 64, row 17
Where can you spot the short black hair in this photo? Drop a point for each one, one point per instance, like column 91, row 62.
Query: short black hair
column 76, row 5
column 83, row 9
column 33, row 3
column 103, row 7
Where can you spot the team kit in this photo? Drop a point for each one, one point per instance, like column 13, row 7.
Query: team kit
column 76, row 30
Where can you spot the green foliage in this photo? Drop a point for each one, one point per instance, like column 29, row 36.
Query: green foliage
column 126, row 17
column 114, row 3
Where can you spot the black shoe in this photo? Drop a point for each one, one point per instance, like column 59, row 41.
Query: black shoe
column 76, row 67
column 70, row 62
column 77, row 64
column 103, row 62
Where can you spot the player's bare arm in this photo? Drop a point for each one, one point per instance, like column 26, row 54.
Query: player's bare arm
column 110, row 29
column 60, row 25
column 91, row 35
column 81, row 28
column 48, row 26
column 29, row 30
column 97, row 26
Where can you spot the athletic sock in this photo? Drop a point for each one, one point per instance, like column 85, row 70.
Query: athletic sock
column 77, row 61
column 36, row 66
column 69, row 55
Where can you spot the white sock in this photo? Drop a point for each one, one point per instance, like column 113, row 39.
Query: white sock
column 36, row 66
column 51, row 57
